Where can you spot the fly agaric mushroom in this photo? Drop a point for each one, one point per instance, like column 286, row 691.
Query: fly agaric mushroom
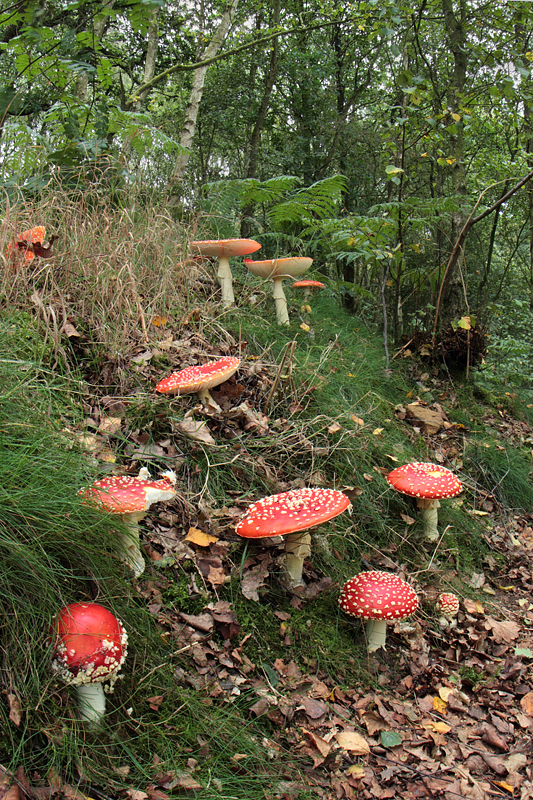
column 427, row 482
column 224, row 249
column 200, row 379
column 31, row 244
column 89, row 648
column 377, row 597
column 448, row 607
column 131, row 498
column 278, row 269
column 291, row 514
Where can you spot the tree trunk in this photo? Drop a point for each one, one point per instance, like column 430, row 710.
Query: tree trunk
column 255, row 138
column 197, row 90
column 455, row 24
column 151, row 57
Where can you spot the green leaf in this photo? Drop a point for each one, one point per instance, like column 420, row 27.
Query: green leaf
column 523, row 651
column 390, row 169
column 390, row 738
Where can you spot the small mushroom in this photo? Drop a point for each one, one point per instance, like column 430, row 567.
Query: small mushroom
column 291, row 514
column 224, row 249
column 200, row 379
column 447, row 605
column 89, row 648
column 131, row 498
column 427, row 483
column 377, row 597
column 278, row 269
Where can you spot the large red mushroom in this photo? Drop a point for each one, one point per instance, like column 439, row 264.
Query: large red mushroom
column 378, row 597
column 199, row 379
column 89, row 648
column 131, row 498
column 428, row 483
column 291, row 514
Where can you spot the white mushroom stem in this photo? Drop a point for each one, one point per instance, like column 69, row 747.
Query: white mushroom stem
column 297, row 549
column 376, row 634
column 430, row 517
column 131, row 542
column 91, row 701
column 226, row 281
column 206, row 399
column 282, row 315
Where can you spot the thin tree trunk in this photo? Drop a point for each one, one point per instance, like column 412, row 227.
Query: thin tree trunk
column 197, row 90
column 151, row 57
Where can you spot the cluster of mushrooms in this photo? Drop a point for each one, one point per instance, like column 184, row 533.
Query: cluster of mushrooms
column 90, row 642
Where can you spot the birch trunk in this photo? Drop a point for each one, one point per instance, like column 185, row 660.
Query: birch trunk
column 197, row 90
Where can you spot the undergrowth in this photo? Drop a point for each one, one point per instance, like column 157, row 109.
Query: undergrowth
column 101, row 322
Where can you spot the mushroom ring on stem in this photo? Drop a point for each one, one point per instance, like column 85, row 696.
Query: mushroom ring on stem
column 224, row 249
column 427, row 483
column 89, row 648
column 131, row 498
column 199, row 379
column 378, row 597
column 278, row 269
column 291, row 514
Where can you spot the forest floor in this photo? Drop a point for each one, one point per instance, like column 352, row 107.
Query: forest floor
column 443, row 712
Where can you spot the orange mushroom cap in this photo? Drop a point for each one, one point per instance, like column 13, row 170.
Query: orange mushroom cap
column 309, row 284
column 201, row 376
column 23, row 242
column 378, row 595
column 423, row 479
column 225, row 247
column 288, row 512
column 124, row 494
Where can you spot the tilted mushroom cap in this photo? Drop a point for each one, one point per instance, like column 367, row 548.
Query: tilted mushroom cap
column 90, row 644
column 225, row 247
column 423, row 479
column 24, row 240
column 124, row 494
column 448, row 604
column 277, row 267
column 202, row 376
column 378, row 595
column 288, row 512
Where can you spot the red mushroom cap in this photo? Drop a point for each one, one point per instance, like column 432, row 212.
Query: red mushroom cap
column 202, row 376
column 448, row 604
column 90, row 643
column 309, row 284
column 378, row 595
column 123, row 494
column 296, row 510
column 421, row 479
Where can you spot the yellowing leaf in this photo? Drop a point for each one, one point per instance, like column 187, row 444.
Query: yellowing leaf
column 437, row 727
column 378, row 431
column 304, row 327
column 158, row 321
column 354, row 742
column 200, row 538
column 439, row 705
column 356, row 771
column 450, row 160
column 358, row 421
column 456, row 117
column 465, row 323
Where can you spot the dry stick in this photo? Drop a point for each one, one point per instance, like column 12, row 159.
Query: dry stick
column 458, row 246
